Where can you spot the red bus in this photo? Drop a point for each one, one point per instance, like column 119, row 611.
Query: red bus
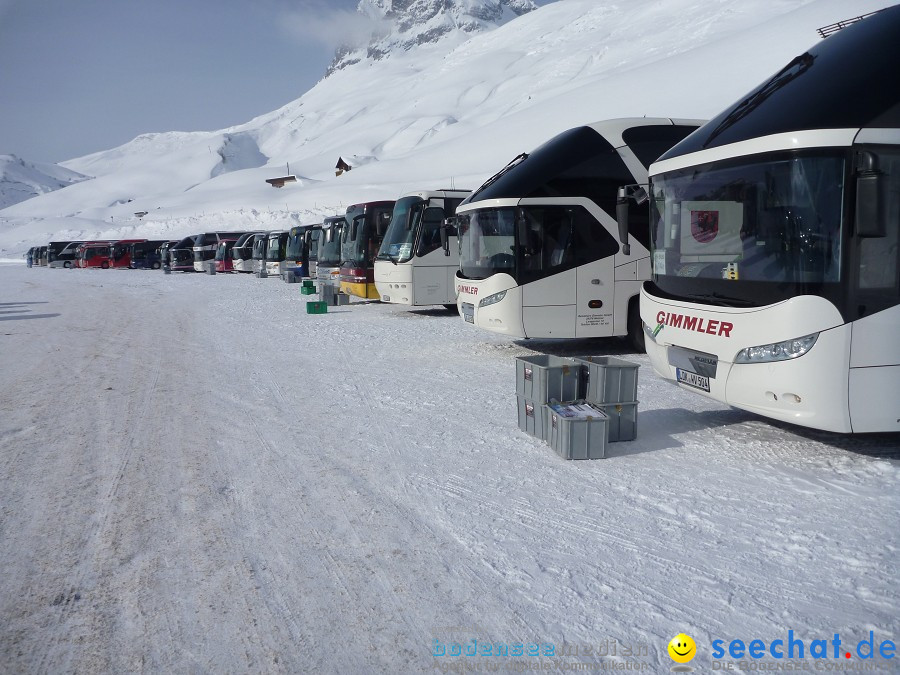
column 120, row 252
column 94, row 254
column 224, row 261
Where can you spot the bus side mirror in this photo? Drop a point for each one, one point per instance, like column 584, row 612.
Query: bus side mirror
column 448, row 229
column 522, row 234
column 871, row 211
column 623, row 205
column 622, row 220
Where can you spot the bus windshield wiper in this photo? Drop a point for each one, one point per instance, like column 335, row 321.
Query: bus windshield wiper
column 515, row 161
column 724, row 300
column 386, row 256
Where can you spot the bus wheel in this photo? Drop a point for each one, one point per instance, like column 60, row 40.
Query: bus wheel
column 156, row 265
column 104, row 265
column 635, row 326
column 67, row 264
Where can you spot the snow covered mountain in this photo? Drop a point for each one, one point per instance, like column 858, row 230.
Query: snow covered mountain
column 437, row 114
column 401, row 25
column 21, row 180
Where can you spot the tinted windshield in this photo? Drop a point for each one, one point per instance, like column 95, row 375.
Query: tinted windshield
column 294, row 248
column 119, row 250
column 354, row 238
column 753, row 233
column 54, row 249
column 401, row 233
column 222, row 252
column 329, row 253
column 360, row 240
column 275, row 247
column 181, row 255
column 313, row 235
column 259, row 247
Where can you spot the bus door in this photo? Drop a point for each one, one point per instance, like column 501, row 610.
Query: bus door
column 433, row 279
column 874, row 385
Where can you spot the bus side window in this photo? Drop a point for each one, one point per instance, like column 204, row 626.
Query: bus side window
column 591, row 240
column 430, row 239
column 558, row 230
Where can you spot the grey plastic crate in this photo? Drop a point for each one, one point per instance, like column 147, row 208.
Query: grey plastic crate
column 577, row 437
column 531, row 417
column 608, row 379
column 542, row 378
column 622, row 420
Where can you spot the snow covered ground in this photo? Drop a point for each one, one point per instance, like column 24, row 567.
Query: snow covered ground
column 197, row 476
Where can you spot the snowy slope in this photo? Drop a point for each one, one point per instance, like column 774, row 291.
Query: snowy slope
column 21, row 180
column 443, row 113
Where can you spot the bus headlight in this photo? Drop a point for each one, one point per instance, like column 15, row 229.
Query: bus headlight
column 777, row 351
column 492, row 299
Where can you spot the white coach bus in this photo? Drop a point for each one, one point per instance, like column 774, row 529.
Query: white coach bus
column 538, row 242
column 774, row 238
column 411, row 267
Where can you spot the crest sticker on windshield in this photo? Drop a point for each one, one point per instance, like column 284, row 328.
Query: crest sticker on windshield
column 704, row 225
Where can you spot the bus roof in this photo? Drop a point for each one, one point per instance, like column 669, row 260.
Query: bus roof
column 841, row 83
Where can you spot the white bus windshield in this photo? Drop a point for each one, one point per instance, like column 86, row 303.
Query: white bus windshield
column 401, row 233
column 487, row 242
column 722, row 231
column 531, row 242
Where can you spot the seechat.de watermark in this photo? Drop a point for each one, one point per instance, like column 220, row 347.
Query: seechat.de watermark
column 791, row 653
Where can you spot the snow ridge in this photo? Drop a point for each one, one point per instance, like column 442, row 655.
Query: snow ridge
column 21, row 180
column 401, row 25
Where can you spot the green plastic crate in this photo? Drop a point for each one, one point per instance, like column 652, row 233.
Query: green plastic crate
column 308, row 283
column 316, row 307
column 307, row 290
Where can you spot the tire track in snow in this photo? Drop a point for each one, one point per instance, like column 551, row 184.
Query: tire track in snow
column 92, row 549
column 745, row 586
column 326, row 560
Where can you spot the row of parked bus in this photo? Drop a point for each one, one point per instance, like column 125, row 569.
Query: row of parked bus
column 105, row 254
column 754, row 256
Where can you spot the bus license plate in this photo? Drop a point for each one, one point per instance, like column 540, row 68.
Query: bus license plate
column 692, row 379
column 468, row 312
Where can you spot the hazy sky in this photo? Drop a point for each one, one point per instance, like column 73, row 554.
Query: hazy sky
column 79, row 76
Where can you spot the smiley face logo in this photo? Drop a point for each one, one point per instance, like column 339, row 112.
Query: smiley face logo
column 682, row 648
